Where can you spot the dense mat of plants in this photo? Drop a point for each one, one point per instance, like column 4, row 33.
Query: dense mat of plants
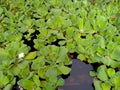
column 36, row 37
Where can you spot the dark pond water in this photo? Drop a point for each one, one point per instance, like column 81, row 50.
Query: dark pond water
column 79, row 78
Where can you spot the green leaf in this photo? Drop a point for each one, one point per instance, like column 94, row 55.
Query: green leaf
column 111, row 72
column 60, row 36
column 80, row 23
column 114, row 64
column 102, row 73
column 60, row 82
column 62, row 42
column 67, row 23
column 92, row 73
column 1, row 10
column 97, row 85
column 36, row 80
column 51, row 72
column 31, row 55
column 106, row 86
column 101, row 21
column 23, row 64
column 80, row 49
column 41, row 73
column 116, row 81
column 69, row 32
column 106, row 60
column 15, row 70
column 116, row 54
column 4, row 80
column 28, row 22
column 64, row 69
column 62, row 54
column 48, row 86
column 81, row 57
column 8, row 87
column 26, row 84
column 38, row 88
column 38, row 63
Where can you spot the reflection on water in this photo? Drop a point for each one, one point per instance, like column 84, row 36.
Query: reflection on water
column 79, row 78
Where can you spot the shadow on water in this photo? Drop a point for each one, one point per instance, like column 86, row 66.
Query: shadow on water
column 79, row 78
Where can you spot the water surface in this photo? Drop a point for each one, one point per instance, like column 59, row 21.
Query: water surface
column 79, row 78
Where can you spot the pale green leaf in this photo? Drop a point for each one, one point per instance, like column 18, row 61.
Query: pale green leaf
column 8, row 87
column 1, row 10
column 116, row 54
column 102, row 73
column 92, row 73
column 36, row 80
column 31, row 55
column 60, row 82
column 51, row 72
column 26, row 84
column 64, row 69
column 97, row 85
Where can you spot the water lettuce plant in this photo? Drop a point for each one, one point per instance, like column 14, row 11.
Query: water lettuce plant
column 36, row 37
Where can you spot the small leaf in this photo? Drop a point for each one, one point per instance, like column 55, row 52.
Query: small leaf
column 111, row 72
column 62, row 42
column 92, row 73
column 82, row 57
column 97, row 85
column 80, row 23
column 31, row 55
column 60, row 82
column 64, row 69
column 106, row 86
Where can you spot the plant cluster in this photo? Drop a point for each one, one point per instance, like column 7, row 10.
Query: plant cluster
column 36, row 37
